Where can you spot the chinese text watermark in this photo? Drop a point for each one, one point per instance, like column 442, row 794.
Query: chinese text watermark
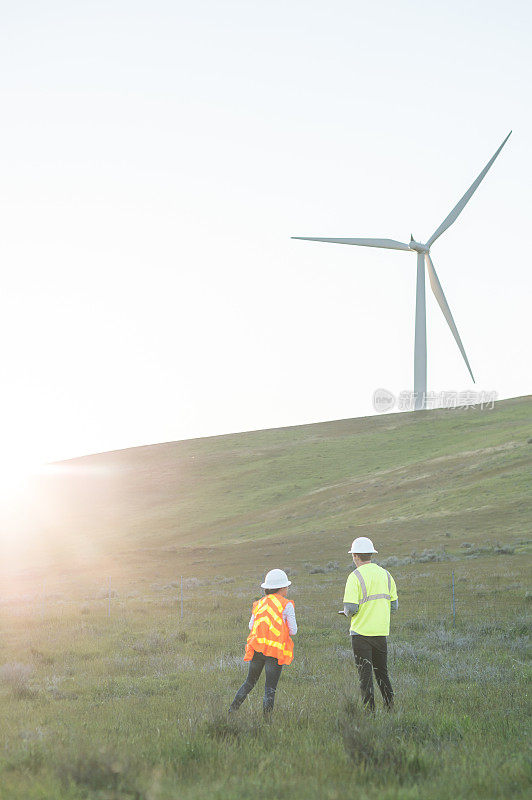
column 384, row 400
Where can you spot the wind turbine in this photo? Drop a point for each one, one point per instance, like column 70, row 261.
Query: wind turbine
column 423, row 258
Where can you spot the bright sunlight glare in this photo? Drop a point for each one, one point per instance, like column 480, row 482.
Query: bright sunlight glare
column 16, row 474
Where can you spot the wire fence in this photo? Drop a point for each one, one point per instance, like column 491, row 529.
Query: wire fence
column 449, row 595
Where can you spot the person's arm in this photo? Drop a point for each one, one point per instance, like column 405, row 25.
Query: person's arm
column 394, row 602
column 351, row 598
column 289, row 616
column 350, row 609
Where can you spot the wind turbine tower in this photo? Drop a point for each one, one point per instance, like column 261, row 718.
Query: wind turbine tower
column 424, row 259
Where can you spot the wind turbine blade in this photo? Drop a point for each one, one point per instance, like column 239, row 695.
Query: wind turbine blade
column 389, row 244
column 435, row 285
column 448, row 221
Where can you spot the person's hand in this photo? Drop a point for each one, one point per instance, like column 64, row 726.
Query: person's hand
column 343, row 612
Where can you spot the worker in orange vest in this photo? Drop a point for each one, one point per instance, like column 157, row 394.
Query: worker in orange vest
column 269, row 645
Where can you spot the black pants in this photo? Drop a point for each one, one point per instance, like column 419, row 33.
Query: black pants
column 371, row 655
column 273, row 672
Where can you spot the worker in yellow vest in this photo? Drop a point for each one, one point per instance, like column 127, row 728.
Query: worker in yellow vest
column 370, row 594
column 269, row 644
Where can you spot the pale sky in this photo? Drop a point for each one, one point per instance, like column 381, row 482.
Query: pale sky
column 156, row 157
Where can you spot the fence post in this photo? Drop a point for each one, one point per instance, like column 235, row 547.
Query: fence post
column 454, row 604
column 181, row 597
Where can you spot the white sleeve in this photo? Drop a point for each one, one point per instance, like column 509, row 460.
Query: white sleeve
column 289, row 616
column 251, row 622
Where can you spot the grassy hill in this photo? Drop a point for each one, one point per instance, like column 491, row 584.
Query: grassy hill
column 411, row 481
column 118, row 696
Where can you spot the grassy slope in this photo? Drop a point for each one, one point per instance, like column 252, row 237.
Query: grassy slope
column 132, row 705
column 410, row 480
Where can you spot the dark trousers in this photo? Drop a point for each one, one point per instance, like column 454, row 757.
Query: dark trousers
column 371, row 656
column 272, row 669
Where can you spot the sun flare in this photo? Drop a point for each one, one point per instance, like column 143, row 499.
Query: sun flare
column 16, row 474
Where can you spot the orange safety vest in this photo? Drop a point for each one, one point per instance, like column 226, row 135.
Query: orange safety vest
column 269, row 634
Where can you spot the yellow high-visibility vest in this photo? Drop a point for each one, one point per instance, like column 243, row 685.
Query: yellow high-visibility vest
column 372, row 588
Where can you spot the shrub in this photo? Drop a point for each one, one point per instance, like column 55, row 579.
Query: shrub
column 432, row 555
column 99, row 771
column 52, row 686
column 233, row 728
column 221, row 729
column 385, row 750
column 44, row 658
column 17, row 676
column 417, row 653
column 332, row 566
column 451, row 639
column 479, row 551
column 475, row 671
column 317, row 570
column 31, row 758
column 395, row 561
column 188, row 583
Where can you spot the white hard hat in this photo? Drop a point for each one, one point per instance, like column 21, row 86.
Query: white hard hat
column 362, row 545
column 276, row 579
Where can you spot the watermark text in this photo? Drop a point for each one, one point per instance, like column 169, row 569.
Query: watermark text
column 384, row 400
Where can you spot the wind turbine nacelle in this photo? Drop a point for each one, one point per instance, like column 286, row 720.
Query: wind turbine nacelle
column 418, row 246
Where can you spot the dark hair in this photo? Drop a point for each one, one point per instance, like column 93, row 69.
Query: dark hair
column 272, row 591
column 365, row 557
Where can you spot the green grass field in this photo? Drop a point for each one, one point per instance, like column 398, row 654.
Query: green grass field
column 133, row 705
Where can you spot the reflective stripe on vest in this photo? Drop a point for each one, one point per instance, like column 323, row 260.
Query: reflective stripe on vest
column 365, row 596
column 270, row 643
column 262, row 606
